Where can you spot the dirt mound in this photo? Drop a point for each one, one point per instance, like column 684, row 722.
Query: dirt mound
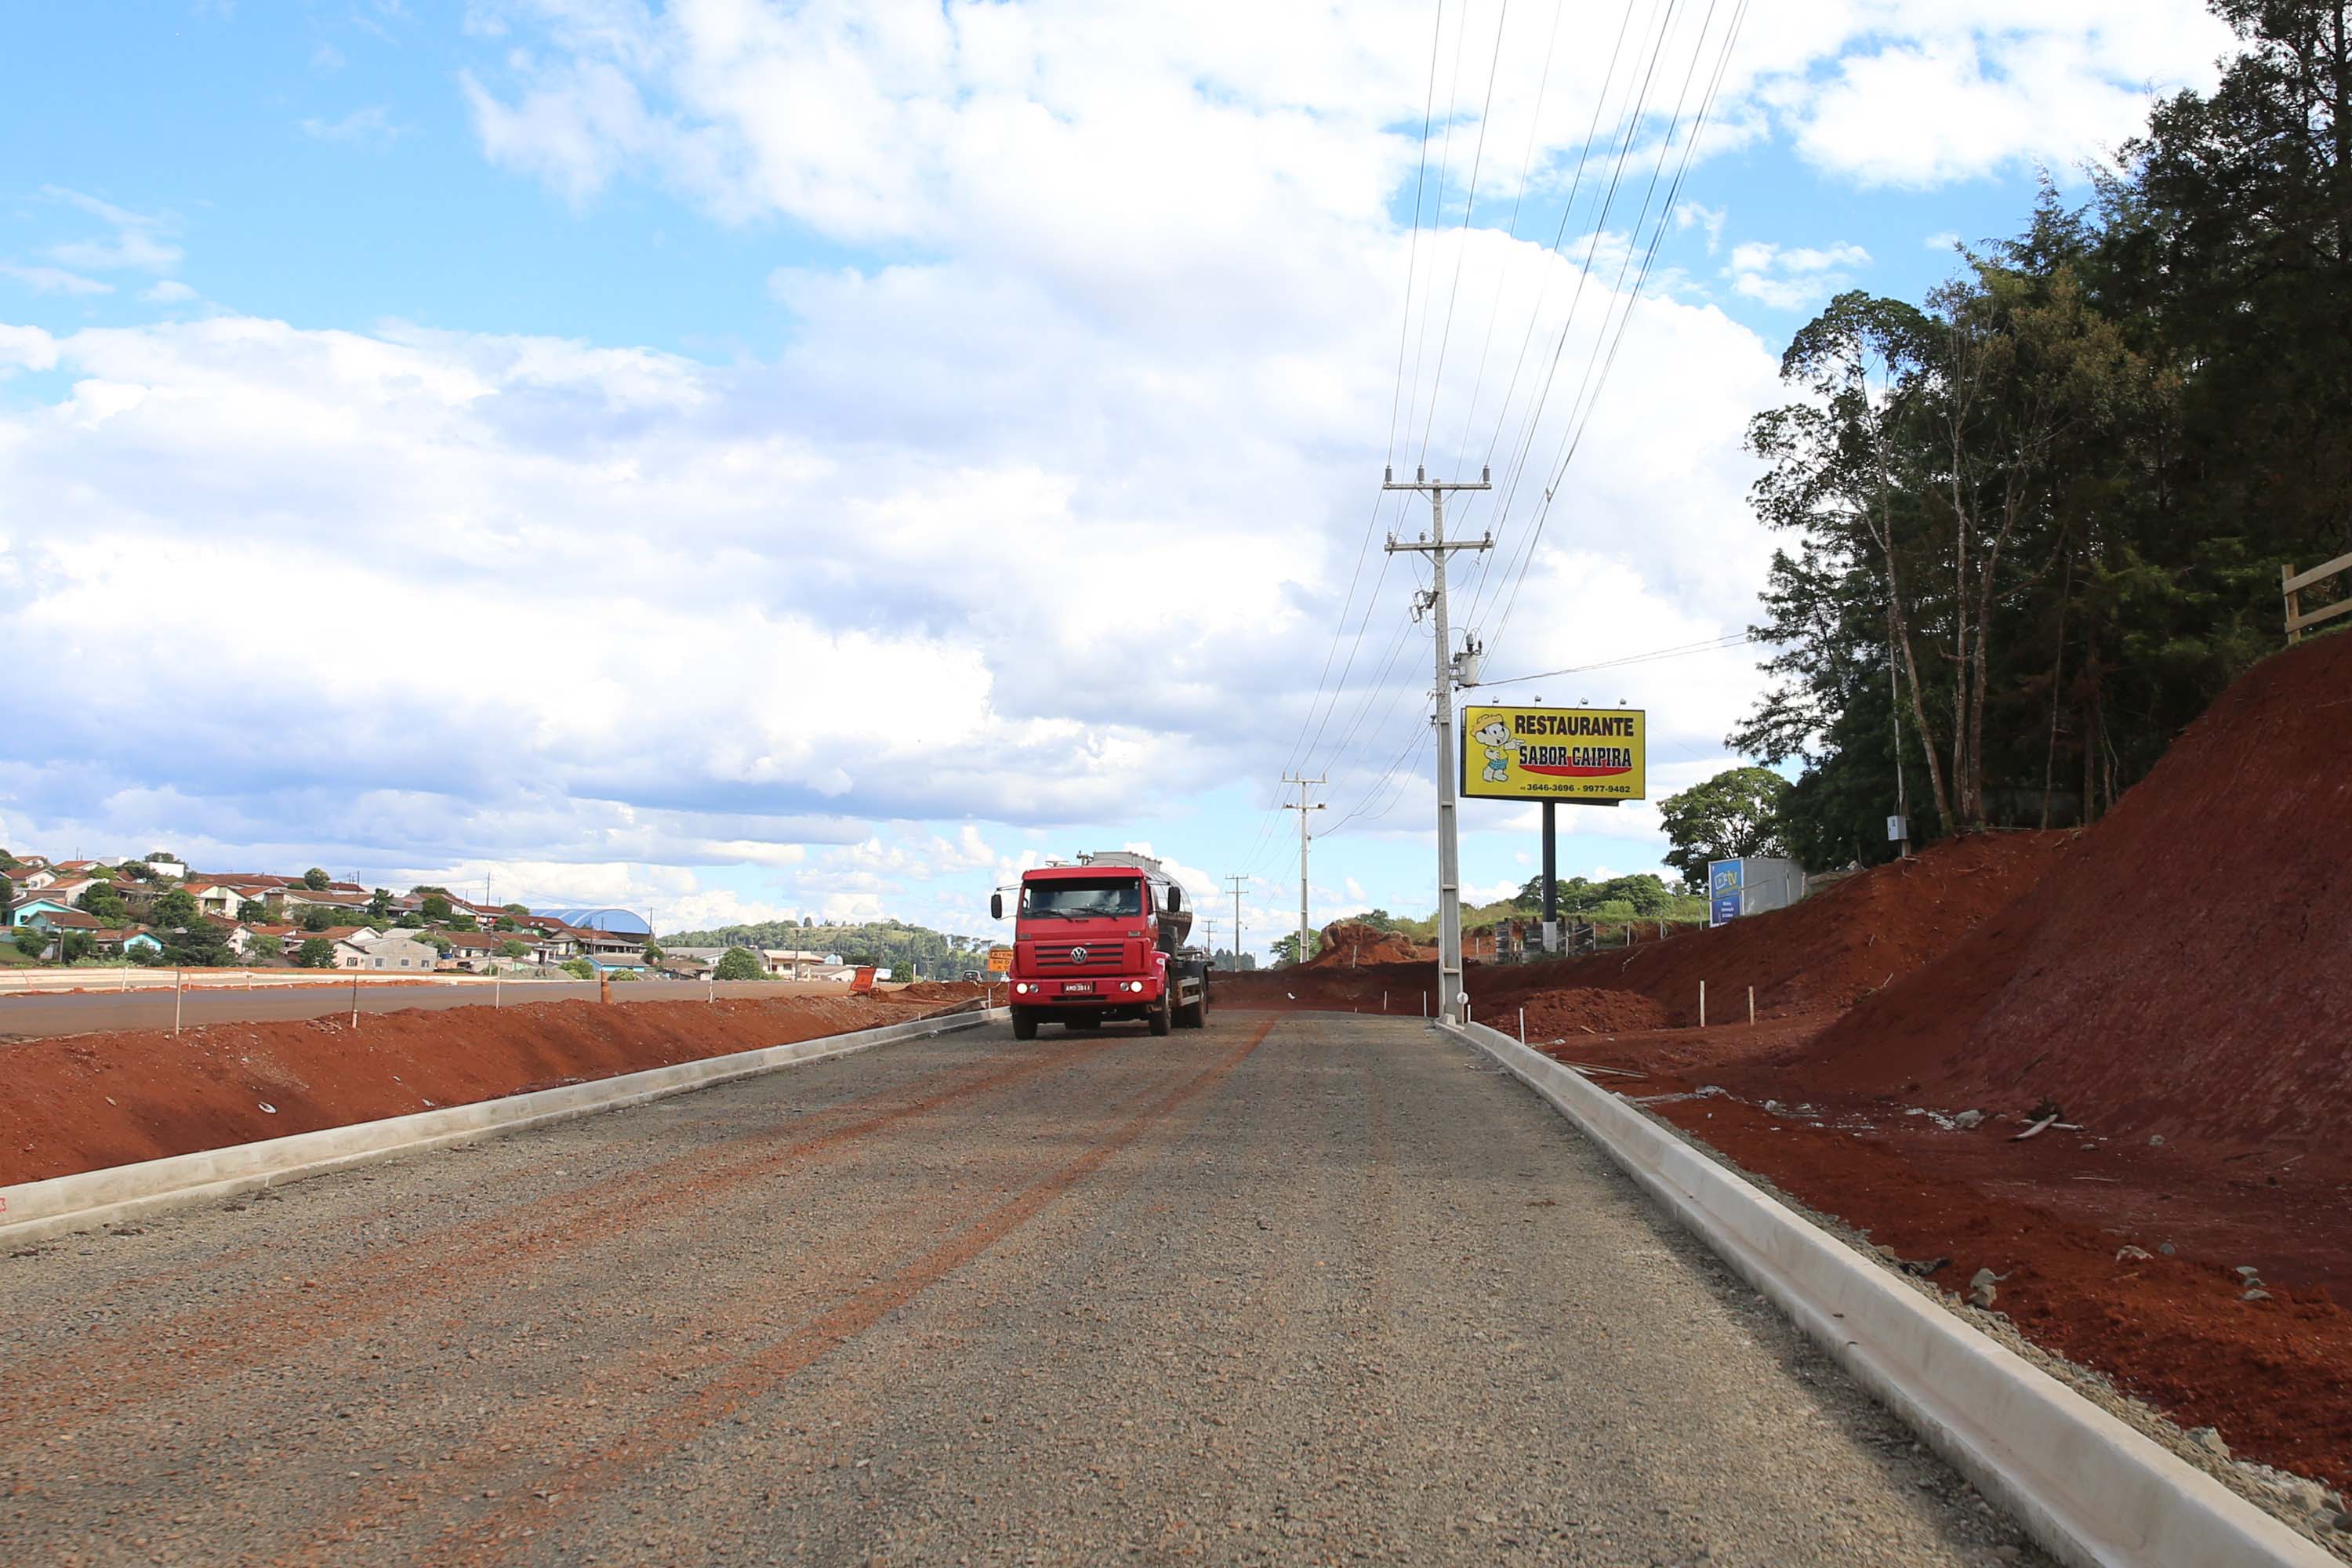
column 2186, row 972
column 86, row 1101
column 938, row 991
column 1348, row 945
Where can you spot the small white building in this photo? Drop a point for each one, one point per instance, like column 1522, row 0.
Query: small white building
column 390, row 951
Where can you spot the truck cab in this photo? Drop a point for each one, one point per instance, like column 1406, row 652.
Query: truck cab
column 1099, row 940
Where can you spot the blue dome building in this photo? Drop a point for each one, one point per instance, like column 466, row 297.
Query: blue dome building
column 620, row 923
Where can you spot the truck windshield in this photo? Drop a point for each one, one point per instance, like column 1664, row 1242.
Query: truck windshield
column 1077, row 900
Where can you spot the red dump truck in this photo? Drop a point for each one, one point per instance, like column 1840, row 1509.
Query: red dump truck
column 1103, row 939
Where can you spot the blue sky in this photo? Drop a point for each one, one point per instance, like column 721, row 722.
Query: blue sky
column 742, row 459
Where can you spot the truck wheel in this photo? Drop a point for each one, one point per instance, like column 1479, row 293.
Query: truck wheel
column 1025, row 1023
column 1195, row 1014
column 1163, row 1015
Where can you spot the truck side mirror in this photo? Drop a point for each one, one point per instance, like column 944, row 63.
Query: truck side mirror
column 1175, row 897
column 996, row 906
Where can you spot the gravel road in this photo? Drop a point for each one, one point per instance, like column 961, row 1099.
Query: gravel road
column 1299, row 1289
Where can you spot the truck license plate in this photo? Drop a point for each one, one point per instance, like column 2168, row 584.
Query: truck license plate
column 1075, row 987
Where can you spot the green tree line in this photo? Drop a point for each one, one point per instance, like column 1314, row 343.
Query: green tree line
column 2035, row 521
column 908, row 951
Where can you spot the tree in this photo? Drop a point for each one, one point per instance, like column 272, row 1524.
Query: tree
column 380, row 903
column 740, row 963
column 137, row 871
column 264, row 946
column 1734, row 814
column 1286, row 948
column 177, row 909
column 105, row 904
column 435, row 907
column 504, row 923
column 520, row 912
column 197, row 945
column 316, row 878
column 579, row 969
column 251, row 911
column 319, row 917
column 513, row 950
column 1225, row 960
column 653, row 952
column 76, row 946
column 31, row 942
column 441, row 945
column 316, row 953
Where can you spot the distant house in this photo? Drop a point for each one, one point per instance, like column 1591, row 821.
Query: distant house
column 23, row 879
column 31, row 909
column 69, row 890
column 299, row 899
column 391, row 954
column 794, row 963
column 164, row 866
column 215, row 899
column 125, row 941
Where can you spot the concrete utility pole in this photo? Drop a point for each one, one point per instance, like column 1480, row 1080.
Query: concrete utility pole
column 1450, row 989
column 1302, row 808
column 1237, row 879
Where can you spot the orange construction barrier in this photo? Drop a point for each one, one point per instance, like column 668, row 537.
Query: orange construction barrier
column 862, row 982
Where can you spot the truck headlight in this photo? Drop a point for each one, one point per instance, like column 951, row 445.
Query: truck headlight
column 1135, row 986
column 1021, row 987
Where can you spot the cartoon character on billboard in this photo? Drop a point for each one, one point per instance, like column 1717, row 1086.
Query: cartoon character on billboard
column 1498, row 743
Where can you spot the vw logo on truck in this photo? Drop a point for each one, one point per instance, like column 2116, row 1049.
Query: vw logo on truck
column 1077, row 955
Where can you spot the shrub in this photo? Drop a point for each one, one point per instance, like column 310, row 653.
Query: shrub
column 316, row 953
column 579, row 969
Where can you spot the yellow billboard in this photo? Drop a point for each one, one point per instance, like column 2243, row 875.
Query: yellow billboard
column 1593, row 755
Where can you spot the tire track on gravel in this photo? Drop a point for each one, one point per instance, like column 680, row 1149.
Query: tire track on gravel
column 162, row 1356
column 758, row 1375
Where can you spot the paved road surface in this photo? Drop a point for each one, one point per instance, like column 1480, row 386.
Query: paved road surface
column 1298, row 1289
column 34, row 1014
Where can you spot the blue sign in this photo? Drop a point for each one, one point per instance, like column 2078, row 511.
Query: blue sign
column 1725, row 880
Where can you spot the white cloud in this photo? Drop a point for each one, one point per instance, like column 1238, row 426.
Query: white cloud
column 169, row 291
column 326, row 58
column 1943, row 239
column 1919, row 93
column 137, row 244
column 370, row 127
column 1795, row 278
column 54, row 281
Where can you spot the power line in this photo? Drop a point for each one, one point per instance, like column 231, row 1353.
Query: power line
column 1462, row 243
column 1573, row 436
column 1683, row 650
column 1638, row 87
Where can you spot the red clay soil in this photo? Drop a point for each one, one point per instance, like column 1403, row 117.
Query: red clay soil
column 86, row 1101
column 2054, row 1215
column 1347, row 944
column 1828, row 951
column 2185, row 973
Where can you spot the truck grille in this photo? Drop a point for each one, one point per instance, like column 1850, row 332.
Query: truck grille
column 1056, row 958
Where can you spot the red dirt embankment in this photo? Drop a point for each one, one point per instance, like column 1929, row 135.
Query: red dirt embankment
column 1839, row 946
column 86, row 1101
column 2186, row 972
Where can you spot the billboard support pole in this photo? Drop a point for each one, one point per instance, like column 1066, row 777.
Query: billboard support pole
column 1450, row 989
column 1551, row 876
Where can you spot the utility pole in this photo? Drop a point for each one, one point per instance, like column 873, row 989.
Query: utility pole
column 1450, row 990
column 1237, row 879
column 1302, row 808
column 1212, row 926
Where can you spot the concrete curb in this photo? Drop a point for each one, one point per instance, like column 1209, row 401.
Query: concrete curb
column 2092, row 1491
column 32, row 1211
